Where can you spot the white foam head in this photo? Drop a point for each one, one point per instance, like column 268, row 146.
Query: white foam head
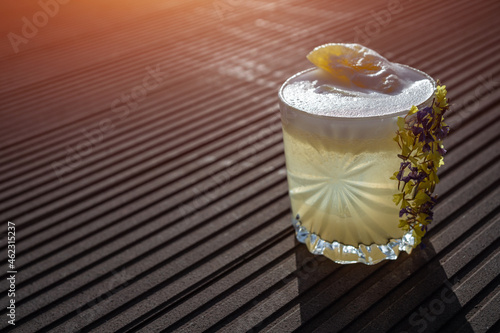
column 360, row 83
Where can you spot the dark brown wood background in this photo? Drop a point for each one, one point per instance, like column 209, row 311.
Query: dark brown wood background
column 142, row 162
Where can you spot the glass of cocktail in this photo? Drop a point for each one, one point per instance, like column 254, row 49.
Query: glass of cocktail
column 339, row 120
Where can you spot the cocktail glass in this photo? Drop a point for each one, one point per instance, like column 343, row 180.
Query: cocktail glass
column 341, row 194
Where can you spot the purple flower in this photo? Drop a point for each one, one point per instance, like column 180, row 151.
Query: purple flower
column 405, row 211
column 446, row 130
column 422, row 113
column 426, row 208
column 413, row 174
column 424, row 117
column 427, row 123
column 421, row 176
column 422, row 137
column 441, row 133
column 442, row 151
column 429, row 138
column 417, row 130
column 401, row 170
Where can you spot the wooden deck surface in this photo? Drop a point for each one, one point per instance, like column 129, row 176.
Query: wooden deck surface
column 141, row 160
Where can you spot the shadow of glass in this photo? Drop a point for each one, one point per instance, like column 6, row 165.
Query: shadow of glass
column 410, row 294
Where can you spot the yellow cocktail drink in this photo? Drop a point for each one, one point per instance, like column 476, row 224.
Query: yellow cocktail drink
column 338, row 130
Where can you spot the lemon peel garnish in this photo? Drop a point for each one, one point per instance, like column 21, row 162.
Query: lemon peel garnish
column 356, row 65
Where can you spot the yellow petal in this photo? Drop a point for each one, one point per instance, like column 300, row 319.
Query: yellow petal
column 421, row 198
column 401, row 123
column 422, row 218
column 404, row 225
column 397, row 198
column 413, row 110
column 404, row 204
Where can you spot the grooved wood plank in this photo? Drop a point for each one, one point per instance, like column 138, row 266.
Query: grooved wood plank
column 178, row 219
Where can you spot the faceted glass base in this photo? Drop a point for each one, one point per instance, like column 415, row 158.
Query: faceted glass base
column 348, row 254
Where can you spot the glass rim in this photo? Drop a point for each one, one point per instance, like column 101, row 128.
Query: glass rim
column 398, row 113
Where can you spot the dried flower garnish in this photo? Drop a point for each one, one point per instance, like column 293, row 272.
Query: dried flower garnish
column 420, row 136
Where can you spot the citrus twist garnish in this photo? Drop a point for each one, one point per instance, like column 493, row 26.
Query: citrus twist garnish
column 356, row 65
column 420, row 136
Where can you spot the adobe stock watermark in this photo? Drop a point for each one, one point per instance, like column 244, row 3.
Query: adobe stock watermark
column 380, row 19
column 226, row 8
column 307, row 267
column 486, row 85
column 120, row 109
column 30, row 27
column 428, row 313
column 248, row 149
